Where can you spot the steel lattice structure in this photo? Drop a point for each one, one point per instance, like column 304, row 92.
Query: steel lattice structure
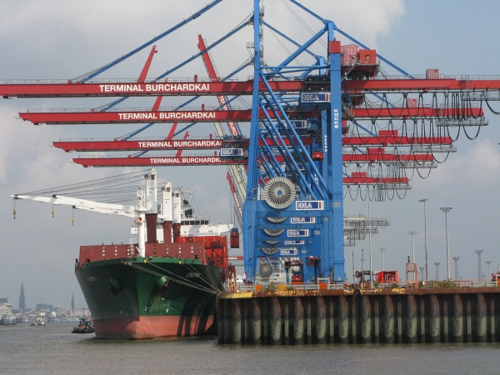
column 319, row 133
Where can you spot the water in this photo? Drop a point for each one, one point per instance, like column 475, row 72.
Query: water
column 54, row 350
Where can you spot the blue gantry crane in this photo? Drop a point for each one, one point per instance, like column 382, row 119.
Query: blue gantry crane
column 313, row 136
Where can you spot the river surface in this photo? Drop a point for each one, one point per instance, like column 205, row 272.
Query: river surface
column 54, row 350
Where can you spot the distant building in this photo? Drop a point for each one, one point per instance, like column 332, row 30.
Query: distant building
column 22, row 300
column 72, row 303
column 5, row 307
column 44, row 306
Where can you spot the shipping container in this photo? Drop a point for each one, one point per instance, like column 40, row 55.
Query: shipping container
column 349, row 54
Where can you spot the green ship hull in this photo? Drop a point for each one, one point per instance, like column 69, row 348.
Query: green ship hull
column 143, row 298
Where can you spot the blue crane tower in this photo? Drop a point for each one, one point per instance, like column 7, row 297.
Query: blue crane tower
column 294, row 203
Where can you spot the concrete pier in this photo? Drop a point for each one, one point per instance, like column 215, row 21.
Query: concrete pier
column 352, row 316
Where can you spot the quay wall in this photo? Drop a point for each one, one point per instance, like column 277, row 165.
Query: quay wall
column 353, row 316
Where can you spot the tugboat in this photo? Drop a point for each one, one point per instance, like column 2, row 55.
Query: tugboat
column 84, row 326
column 38, row 322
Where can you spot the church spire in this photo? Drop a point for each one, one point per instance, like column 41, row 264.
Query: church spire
column 22, row 300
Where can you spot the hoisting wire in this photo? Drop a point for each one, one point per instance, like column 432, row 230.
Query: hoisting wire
column 79, row 185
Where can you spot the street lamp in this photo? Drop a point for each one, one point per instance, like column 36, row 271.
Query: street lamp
column 422, row 270
column 479, row 270
column 382, row 249
column 353, row 269
column 412, row 233
column 426, row 246
column 437, row 269
column 362, row 266
column 370, row 245
column 456, row 267
column 488, row 262
column 446, row 210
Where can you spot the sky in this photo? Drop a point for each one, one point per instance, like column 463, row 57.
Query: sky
column 72, row 37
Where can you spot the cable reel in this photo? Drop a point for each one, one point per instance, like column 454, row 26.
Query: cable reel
column 270, row 250
column 276, row 220
column 273, row 232
column 279, row 192
column 265, row 269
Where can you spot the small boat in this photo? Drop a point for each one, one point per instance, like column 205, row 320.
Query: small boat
column 84, row 326
column 38, row 322
column 8, row 320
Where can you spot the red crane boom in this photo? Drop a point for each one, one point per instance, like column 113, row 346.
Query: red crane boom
column 29, row 89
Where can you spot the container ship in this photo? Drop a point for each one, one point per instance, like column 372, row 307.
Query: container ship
column 164, row 284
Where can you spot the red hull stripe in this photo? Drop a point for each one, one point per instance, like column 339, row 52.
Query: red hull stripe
column 150, row 327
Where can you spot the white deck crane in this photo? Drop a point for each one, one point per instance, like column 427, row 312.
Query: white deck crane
column 172, row 209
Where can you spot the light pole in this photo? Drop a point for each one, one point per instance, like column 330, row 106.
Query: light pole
column 412, row 233
column 456, row 267
column 488, row 262
column 370, row 245
column 437, row 269
column 353, row 269
column 362, row 266
column 382, row 249
column 422, row 269
column 426, row 246
column 479, row 270
column 446, row 210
